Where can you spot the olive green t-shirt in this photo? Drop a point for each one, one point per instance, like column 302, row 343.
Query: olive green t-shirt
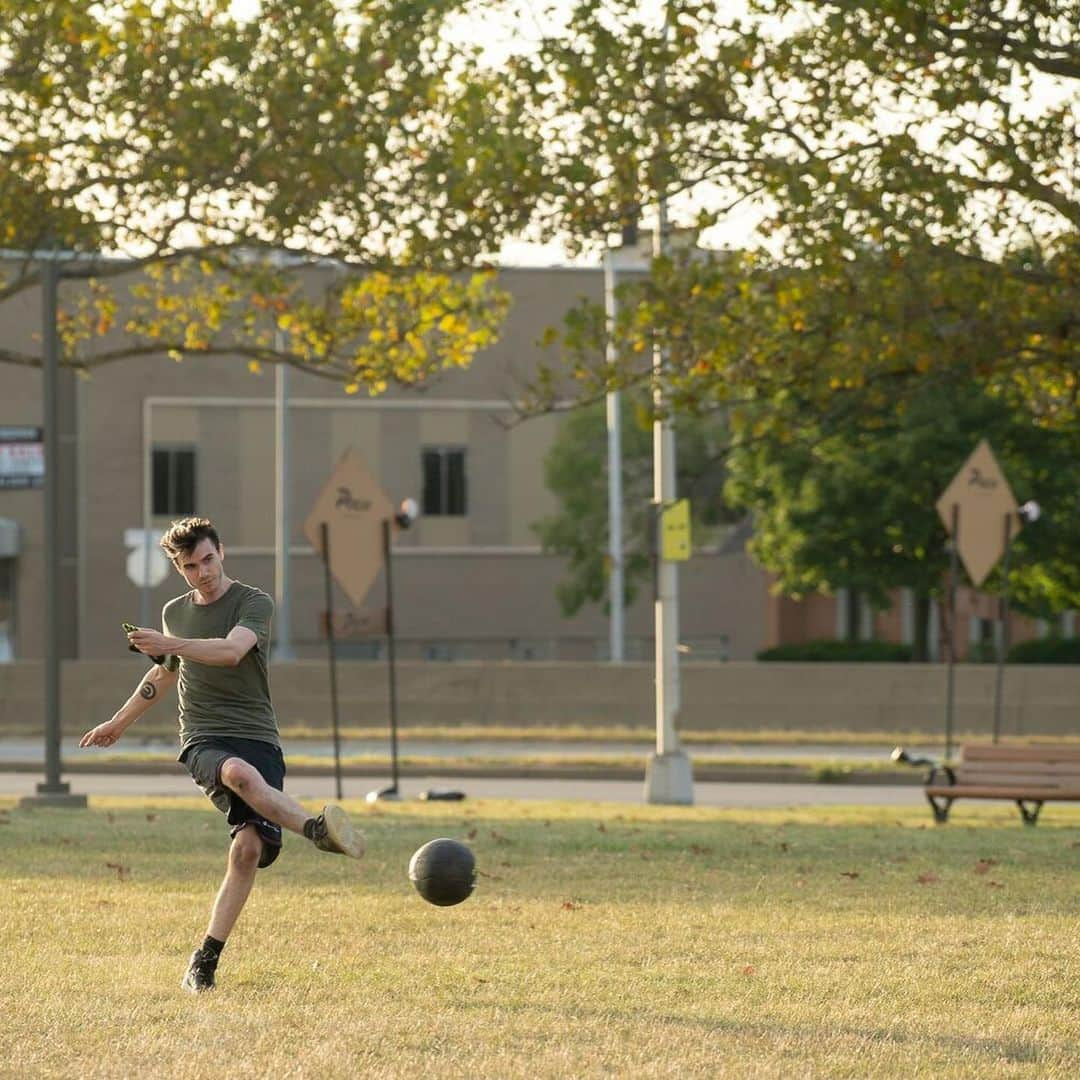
column 214, row 700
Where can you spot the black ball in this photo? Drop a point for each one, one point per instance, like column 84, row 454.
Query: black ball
column 443, row 871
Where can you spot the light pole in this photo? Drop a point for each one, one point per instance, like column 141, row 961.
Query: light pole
column 1030, row 512
column 282, row 598
column 626, row 259
column 53, row 791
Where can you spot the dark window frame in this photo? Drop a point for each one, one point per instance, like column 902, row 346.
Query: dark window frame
column 181, row 464
column 444, row 481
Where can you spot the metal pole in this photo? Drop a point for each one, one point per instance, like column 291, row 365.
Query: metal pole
column 50, row 386
column 617, row 633
column 325, row 531
column 282, row 598
column 950, row 639
column 1003, row 643
column 53, row 791
column 668, row 777
column 392, row 669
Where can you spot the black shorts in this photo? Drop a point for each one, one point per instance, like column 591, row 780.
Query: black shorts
column 204, row 759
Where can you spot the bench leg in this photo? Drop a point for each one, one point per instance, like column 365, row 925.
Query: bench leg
column 1029, row 810
column 941, row 806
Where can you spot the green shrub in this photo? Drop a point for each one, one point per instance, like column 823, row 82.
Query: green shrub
column 1051, row 650
column 882, row 652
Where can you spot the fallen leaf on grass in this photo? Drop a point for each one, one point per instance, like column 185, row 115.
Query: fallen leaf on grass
column 983, row 865
column 748, row 970
column 927, row 878
column 569, row 905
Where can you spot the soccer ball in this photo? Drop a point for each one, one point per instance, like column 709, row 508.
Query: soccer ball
column 443, row 871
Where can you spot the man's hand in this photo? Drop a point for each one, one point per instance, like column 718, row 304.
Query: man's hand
column 149, row 642
column 104, row 734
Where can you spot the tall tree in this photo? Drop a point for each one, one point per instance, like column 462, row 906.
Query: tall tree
column 939, row 138
column 180, row 136
column 855, row 507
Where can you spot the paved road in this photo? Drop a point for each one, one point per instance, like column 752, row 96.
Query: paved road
column 619, row 791
column 27, row 749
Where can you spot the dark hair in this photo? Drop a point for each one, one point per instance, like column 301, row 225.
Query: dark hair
column 183, row 535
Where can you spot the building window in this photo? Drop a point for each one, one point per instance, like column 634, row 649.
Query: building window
column 444, row 481
column 173, row 479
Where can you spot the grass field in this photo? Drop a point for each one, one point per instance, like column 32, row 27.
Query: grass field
column 602, row 941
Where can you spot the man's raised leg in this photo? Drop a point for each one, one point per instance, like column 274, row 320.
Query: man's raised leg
column 330, row 831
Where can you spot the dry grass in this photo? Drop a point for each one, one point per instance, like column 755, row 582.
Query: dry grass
column 602, row 941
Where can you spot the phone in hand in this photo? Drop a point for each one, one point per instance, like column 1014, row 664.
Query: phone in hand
column 130, row 628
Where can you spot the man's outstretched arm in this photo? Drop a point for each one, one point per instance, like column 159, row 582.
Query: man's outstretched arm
column 218, row 652
column 152, row 685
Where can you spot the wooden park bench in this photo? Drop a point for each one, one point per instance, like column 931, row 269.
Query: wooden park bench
column 1028, row 774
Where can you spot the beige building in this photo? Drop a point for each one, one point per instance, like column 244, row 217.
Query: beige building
column 142, row 441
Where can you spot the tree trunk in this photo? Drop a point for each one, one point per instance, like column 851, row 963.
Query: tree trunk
column 851, row 615
column 920, row 645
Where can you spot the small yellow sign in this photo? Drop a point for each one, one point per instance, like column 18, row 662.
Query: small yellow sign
column 675, row 531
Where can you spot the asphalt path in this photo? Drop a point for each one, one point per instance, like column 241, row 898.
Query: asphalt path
column 714, row 794
column 32, row 749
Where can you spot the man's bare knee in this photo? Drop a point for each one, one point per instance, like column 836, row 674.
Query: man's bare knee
column 239, row 776
column 246, row 850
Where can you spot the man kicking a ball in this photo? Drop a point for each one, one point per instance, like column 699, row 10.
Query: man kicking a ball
column 216, row 642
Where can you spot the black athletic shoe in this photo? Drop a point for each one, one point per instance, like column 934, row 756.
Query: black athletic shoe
column 200, row 973
column 333, row 831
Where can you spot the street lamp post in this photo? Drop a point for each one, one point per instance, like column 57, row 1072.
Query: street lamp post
column 282, row 593
column 668, row 776
column 53, row 791
column 626, row 259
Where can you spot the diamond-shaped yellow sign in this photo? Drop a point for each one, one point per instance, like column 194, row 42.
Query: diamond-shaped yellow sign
column 981, row 500
column 353, row 506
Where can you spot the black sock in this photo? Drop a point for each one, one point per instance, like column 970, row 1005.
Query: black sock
column 212, row 946
column 309, row 828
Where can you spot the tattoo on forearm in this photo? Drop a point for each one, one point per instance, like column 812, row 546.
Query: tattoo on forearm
column 148, row 691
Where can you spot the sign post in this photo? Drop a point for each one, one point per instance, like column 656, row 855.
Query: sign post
column 324, row 536
column 345, row 526
column 980, row 497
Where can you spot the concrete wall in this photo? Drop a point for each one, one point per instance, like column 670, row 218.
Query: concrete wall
column 716, row 697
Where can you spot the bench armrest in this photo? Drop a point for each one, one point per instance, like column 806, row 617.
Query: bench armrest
column 902, row 757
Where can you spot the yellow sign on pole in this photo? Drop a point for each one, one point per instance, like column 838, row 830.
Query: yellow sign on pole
column 353, row 506
column 981, row 499
column 675, row 531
